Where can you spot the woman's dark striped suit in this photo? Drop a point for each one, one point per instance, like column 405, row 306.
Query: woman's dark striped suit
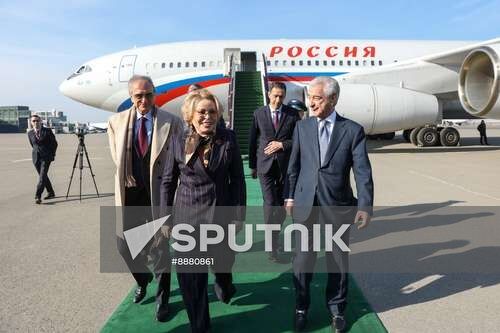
column 212, row 194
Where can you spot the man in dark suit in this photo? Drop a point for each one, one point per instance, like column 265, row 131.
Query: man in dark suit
column 44, row 146
column 269, row 151
column 326, row 147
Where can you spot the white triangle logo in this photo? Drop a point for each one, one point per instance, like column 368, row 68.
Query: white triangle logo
column 138, row 237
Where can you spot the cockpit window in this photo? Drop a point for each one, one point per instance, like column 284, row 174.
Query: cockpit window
column 81, row 70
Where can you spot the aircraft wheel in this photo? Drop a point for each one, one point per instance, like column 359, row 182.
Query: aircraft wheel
column 427, row 137
column 449, row 137
column 413, row 135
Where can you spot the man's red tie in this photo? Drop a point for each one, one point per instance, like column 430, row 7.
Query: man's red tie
column 276, row 120
column 142, row 140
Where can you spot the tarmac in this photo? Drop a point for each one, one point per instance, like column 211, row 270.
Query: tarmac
column 49, row 253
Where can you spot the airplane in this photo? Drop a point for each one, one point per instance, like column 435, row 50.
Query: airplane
column 386, row 85
column 97, row 127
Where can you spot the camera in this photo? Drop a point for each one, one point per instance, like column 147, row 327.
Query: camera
column 80, row 131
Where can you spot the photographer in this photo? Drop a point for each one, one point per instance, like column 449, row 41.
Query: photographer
column 44, row 146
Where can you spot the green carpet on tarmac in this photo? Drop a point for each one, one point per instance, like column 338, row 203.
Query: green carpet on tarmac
column 264, row 303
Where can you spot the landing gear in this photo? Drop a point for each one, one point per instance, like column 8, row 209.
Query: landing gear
column 406, row 134
column 413, row 135
column 429, row 136
column 449, row 137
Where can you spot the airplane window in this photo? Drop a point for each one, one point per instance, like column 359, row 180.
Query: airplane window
column 179, row 65
column 171, row 65
column 76, row 73
column 317, row 62
column 195, row 64
column 155, row 65
column 373, row 63
column 333, row 62
column 202, row 64
column 162, row 65
column 348, row 62
column 341, row 62
column 268, row 62
column 284, row 62
column 211, row 64
column 325, row 63
column 292, row 62
column 276, row 63
column 219, row 63
column 356, row 62
column 380, row 62
column 364, row 62
column 308, row 62
column 187, row 64
column 301, row 63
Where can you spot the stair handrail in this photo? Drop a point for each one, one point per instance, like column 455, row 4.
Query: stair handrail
column 231, row 91
column 264, row 80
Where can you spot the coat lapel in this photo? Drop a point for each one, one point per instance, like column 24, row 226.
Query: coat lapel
column 161, row 128
column 282, row 120
column 269, row 119
column 335, row 139
column 217, row 152
column 312, row 132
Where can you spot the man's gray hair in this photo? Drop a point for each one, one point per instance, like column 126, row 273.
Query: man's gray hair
column 330, row 85
column 135, row 78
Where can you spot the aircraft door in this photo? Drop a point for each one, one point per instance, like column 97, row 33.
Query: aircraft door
column 248, row 61
column 236, row 54
column 126, row 69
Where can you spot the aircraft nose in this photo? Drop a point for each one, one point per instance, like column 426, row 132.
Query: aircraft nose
column 83, row 93
column 65, row 89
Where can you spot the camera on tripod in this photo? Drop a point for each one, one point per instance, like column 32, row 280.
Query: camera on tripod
column 80, row 132
column 80, row 152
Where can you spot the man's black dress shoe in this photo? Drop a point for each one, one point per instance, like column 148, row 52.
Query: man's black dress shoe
column 50, row 196
column 300, row 320
column 140, row 292
column 162, row 312
column 338, row 323
column 38, row 201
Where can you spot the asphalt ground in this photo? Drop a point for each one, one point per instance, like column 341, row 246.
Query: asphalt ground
column 49, row 253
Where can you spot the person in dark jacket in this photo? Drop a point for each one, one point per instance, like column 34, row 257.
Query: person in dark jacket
column 482, row 132
column 269, row 150
column 203, row 183
column 44, row 146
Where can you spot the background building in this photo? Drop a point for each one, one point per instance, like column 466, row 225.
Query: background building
column 14, row 118
column 53, row 119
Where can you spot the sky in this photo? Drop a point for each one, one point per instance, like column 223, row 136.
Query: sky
column 43, row 42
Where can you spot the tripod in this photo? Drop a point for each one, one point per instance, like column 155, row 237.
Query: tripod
column 79, row 157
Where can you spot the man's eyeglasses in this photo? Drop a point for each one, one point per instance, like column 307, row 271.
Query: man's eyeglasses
column 35, row 121
column 148, row 95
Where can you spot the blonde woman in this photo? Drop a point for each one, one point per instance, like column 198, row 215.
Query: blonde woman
column 204, row 183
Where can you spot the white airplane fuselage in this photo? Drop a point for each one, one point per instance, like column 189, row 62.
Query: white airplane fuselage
column 384, row 84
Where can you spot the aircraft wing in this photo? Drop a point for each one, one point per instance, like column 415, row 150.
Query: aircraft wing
column 469, row 73
column 433, row 74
